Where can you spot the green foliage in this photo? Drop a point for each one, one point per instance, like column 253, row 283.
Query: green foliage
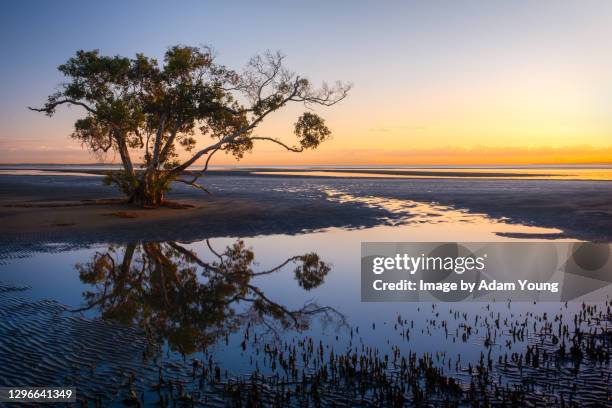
column 140, row 104
column 181, row 299
column 125, row 181
column 311, row 272
column 311, row 130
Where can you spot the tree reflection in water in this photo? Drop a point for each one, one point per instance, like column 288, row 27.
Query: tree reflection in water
column 174, row 295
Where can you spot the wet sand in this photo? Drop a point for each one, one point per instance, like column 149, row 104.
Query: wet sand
column 58, row 208
column 38, row 210
column 526, row 360
column 530, row 355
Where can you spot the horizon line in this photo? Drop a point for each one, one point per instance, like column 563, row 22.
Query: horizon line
column 588, row 164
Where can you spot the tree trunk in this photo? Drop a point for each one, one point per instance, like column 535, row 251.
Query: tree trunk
column 146, row 194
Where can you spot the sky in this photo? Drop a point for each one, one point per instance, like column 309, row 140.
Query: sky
column 435, row 82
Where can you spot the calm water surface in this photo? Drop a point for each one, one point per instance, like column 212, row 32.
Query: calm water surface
column 113, row 317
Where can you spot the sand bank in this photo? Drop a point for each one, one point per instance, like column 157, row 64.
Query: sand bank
column 67, row 208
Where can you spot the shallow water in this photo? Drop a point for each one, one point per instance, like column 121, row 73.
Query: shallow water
column 111, row 318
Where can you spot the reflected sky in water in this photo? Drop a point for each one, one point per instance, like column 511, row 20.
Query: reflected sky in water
column 421, row 222
column 226, row 292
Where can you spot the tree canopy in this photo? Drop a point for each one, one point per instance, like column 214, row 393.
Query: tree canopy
column 177, row 297
column 139, row 104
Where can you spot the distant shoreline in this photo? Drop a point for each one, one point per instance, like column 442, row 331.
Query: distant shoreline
column 335, row 166
column 525, row 173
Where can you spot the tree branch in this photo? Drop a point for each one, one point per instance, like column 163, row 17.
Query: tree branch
column 270, row 139
column 194, row 184
column 157, row 145
column 269, row 271
column 52, row 105
column 230, row 138
column 271, row 303
column 170, row 140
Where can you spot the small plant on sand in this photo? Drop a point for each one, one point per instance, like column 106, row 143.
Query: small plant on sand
column 139, row 107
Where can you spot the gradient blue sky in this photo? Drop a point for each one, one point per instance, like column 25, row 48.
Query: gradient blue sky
column 435, row 81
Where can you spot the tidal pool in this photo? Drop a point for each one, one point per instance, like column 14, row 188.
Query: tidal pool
column 277, row 320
